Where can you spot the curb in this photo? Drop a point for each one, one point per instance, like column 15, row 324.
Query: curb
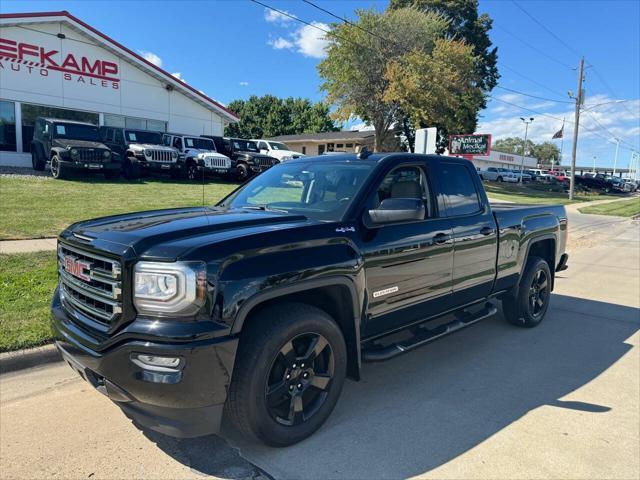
column 31, row 357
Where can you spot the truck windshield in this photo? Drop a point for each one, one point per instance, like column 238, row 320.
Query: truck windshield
column 244, row 145
column 76, row 131
column 142, row 136
column 199, row 143
column 278, row 146
column 321, row 190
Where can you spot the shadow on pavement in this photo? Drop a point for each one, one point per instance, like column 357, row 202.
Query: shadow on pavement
column 417, row 412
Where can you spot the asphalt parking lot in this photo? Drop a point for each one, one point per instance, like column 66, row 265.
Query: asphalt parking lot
column 493, row 401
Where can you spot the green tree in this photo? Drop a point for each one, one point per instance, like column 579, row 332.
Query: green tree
column 547, row 153
column 513, row 145
column 464, row 24
column 270, row 116
column 354, row 72
column 450, row 102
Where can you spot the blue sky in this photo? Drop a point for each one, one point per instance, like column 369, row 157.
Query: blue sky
column 234, row 48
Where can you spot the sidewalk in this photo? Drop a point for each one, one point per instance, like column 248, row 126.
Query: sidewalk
column 24, row 246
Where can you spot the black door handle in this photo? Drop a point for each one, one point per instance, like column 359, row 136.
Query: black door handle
column 441, row 238
column 486, row 231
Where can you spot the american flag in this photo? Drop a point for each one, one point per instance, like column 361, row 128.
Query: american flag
column 559, row 133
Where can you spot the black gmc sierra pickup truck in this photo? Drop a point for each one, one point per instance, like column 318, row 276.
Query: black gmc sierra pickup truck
column 261, row 305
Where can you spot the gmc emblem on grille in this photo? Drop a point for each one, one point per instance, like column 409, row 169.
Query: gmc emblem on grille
column 77, row 267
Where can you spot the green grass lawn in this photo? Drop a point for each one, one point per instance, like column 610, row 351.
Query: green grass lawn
column 537, row 193
column 623, row 208
column 39, row 207
column 27, row 281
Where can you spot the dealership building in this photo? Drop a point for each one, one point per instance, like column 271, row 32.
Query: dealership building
column 52, row 64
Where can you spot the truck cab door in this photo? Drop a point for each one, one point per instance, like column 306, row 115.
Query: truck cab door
column 475, row 234
column 408, row 265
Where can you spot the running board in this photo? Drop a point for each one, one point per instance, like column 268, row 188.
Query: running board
column 424, row 335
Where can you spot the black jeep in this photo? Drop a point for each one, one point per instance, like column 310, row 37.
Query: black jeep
column 245, row 156
column 71, row 146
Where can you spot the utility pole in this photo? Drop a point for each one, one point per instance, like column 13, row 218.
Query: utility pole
column 576, row 125
column 615, row 159
column 524, row 146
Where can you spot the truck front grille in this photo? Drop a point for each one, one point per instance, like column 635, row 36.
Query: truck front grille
column 215, row 162
column 87, row 155
column 91, row 284
column 264, row 162
column 161, row 156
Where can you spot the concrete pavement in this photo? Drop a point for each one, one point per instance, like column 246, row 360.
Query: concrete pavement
column 492, row 401
column 24, row 246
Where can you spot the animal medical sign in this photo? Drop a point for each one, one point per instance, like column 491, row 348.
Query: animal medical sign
column 35, row 59
column 469, row 144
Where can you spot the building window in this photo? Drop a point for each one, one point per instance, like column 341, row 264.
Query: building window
column 7, row 126
column 121, row 121
column 330, row 147
column 339, row 145
column 31, row 112
column 349, row 145
column 304, row 150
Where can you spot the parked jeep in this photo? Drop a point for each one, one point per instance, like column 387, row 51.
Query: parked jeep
column 245, row 156
column 69, row 145
column 198, row 153
column 142, row 151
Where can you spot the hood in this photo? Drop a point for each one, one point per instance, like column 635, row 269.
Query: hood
column 71, row 143
column 286, row 153
column 151, row 146
column 205, row 153
column 168, row 234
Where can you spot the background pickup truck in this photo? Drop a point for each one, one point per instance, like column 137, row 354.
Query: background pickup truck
column 265, row 302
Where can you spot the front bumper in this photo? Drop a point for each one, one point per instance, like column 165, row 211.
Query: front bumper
column 166, row 167
column 183, row 403
column 90, row 166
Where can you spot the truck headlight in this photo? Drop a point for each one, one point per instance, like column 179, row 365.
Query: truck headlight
column 174, row 154
column 163, row 289
column 106, row 154
column 74, row 153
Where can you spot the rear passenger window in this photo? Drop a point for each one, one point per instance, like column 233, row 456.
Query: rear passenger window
column 459, row 190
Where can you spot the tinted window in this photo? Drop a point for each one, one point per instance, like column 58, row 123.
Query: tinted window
column 459, row 190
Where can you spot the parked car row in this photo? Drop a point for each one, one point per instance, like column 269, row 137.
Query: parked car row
column 495, row 174
column 76, row 146
column 606, row 183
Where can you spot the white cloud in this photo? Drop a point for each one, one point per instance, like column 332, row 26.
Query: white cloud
column 308, row 40
column 280, row 43
column 272, row 16
column 243, row 84
column 151, row 57
column 361, row 127
column 311, row 41
column 178, row 75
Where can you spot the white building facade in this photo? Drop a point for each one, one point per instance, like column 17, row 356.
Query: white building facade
column 54, row 65
column 503, row 160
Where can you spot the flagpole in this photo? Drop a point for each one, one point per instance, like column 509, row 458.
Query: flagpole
column 561, row 144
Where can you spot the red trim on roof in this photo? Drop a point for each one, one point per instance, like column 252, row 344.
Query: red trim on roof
column 64, row 13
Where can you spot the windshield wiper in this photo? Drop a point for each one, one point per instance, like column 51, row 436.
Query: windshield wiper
column 264, row 208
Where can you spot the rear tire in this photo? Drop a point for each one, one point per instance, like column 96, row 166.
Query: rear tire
column 499, row 179
column 275, row 396
column 529, row 306
column 58, row 171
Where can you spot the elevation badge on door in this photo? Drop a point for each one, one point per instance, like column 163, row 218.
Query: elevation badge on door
column 386, row 291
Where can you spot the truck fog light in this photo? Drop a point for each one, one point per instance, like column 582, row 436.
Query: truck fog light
column 155, row 362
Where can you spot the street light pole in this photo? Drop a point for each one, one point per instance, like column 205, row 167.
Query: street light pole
column 594, row 163
column 615, row 159
column 524, row 146
column 576, row 125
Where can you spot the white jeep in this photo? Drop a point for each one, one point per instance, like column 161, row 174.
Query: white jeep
column 198, row 156
column 278, row 150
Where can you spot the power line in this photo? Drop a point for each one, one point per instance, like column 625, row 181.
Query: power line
column 595, row 120
column 533, row 96
column 595, row 132
column 286, row 14
column 542, row 85
column 545, row 28
column 533, row 47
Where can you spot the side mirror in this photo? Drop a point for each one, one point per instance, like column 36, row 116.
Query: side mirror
column 398, row 210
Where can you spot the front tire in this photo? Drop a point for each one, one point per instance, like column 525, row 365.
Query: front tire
column 58, row 171
column 131, row 169
column 242, row 173
column 191, row 171
column 499, row 179
column 289, row 372
column 529, row 306
column 36, row 163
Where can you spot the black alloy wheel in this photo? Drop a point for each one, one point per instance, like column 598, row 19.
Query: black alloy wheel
column 57, row 170
column 299, row 379
column 538, row 293
column 192, row 171
column 243, row 172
